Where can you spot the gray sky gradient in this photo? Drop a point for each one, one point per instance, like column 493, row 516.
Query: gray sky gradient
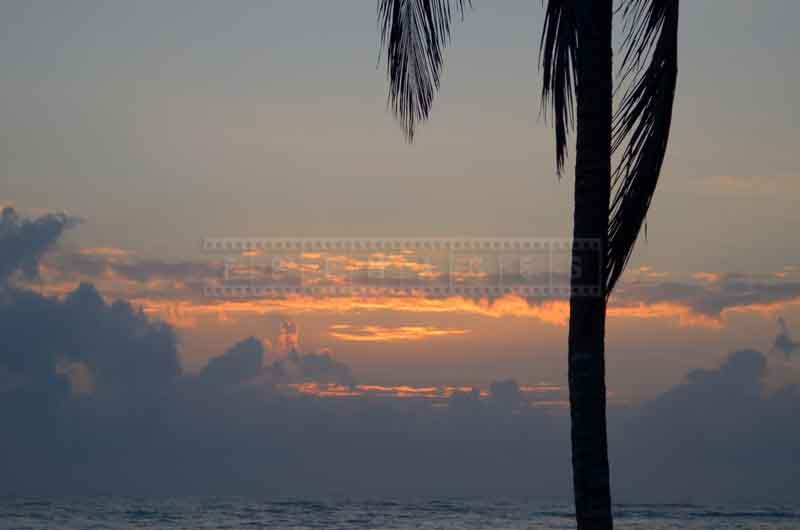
column 163, row 122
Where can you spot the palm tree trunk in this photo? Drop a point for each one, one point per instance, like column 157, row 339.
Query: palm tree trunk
column 588, row 313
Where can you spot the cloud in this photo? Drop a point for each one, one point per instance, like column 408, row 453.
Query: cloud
column 317, row 367
column 314, row 373
column 749, row 186
column 147, row 270
column 706, row 301
column 78, row 343
column 128, row 275
column 552, row 312
column 298, row 367
column 79, row 374
column 243, row 363
column 120, row 346
column 783, row 341
column 500, row 395
column 505, row 394
column 23, row 241
column 240, row 362
column 465, row 401
column 375, row 333
column 93, row 400
column 289, row 337
column 719, row 435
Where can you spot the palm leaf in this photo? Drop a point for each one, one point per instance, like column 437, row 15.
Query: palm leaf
column 414, row 34
column 642, row 122
column 558, row 60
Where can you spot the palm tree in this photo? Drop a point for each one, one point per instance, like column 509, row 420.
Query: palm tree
column 610, row 205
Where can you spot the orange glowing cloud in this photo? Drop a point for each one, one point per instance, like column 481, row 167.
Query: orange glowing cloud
column 552, row 312
column 175, row 296
column 375, row 333
column 389, row 391
column 646, row 272
column 530, row 394
column 186, row 313
column 107, row 252
column 189, row 312
column 666, row 310
column 708, row 277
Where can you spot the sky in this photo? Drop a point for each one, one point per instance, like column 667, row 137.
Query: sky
column 154, row 125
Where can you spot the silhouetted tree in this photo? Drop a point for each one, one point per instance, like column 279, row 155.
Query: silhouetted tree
column 610, row 205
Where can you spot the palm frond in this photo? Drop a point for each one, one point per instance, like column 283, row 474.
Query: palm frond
column 558, row 60
column 642, row 122
column 414, row 34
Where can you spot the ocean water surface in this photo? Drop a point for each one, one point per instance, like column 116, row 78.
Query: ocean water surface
column 426, row 514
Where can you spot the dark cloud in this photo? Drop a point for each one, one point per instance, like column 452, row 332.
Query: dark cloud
column 118, row 345
column 95, row 264
column 505, row 394
column 783, row 341
column 317, row 367
column 144, row 270
column 720, row 435
column 241, row 362
column 299, row 367
column 23, row 241
column 712, row 298
column 465, row 402
column 121, row 346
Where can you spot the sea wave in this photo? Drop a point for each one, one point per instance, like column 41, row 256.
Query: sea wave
column 369, row 514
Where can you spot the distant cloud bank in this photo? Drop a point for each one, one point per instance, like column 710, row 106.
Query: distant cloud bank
column 93, row 399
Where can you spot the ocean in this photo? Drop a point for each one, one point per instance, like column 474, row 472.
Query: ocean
column 425, row 514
